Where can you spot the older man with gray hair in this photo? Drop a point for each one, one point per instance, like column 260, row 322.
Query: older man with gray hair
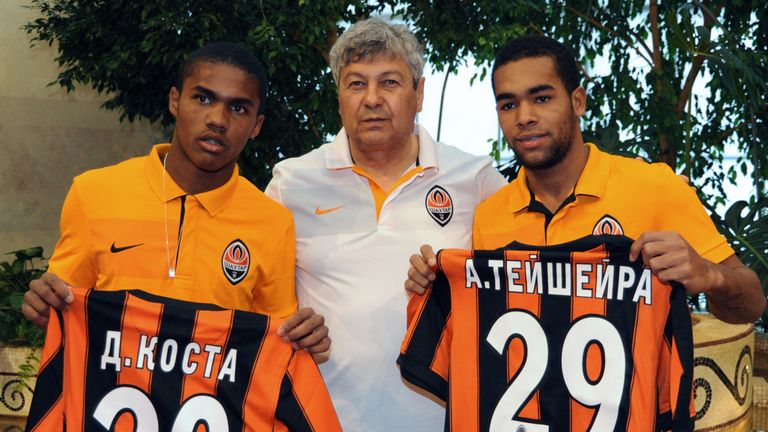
column 362, row 203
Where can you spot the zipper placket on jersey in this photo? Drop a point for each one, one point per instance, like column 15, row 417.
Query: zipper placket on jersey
column 181, row 226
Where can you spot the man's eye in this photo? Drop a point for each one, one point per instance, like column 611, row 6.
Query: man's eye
column 356, row 84
column 542, row 99
column 507, row 106
column 203, row 99
column 239, row 109
column 390, row 83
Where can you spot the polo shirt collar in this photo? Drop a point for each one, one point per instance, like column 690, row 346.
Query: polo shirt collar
column 339, row 155
column 594, row 178
column 214, row 201
column 519, row 194
column 592, row 182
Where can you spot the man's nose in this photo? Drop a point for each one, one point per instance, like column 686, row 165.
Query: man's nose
column 217, row 117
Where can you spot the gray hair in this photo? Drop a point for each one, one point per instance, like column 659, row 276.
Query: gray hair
column 370, row 38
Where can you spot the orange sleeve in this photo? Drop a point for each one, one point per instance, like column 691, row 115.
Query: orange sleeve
column 477, row 238
column 277, row 295
column 689, row 218
column 73, row 258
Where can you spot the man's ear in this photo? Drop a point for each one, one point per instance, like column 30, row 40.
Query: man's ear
column 419, row 94
column 579, row 101
column 257, row 127
column 173, row 101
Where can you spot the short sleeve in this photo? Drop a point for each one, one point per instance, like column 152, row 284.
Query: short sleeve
column 273, row 188
column 74, row 259
column 688, row 217
column 477, row 238
column 277, row 295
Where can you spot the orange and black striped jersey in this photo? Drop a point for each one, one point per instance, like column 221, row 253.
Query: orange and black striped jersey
column 572, row 337
column 129, row 360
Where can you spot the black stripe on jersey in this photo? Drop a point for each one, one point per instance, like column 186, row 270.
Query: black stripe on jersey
column 289, row 410
column 173, row 303
column 100, row 316
column 167, row 387
column 623, row 315
column 664, row 420
column 420, row 353
column 679, row 328
column 555, row 313
column 50, row 379
column 247, row 337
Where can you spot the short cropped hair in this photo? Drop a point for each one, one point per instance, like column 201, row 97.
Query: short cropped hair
column 231, row 54
column 372, row 37
column 530, row 46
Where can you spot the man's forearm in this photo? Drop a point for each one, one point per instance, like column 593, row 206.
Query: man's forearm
column 736, row 296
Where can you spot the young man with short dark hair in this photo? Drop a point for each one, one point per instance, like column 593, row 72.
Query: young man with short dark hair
column 181, row 222
column 566, row 187
column 529, row 357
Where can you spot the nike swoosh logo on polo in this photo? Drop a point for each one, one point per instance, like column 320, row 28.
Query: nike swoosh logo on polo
column 320, row 212
column 116, row 249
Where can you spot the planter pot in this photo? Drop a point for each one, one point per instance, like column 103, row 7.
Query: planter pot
column 760, row 395
column 15, row 394
column 722, row 370
column 761, row 354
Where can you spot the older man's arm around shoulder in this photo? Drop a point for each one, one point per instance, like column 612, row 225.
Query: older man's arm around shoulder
column 732, row 289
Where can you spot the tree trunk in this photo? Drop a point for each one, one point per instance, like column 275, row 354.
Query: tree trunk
column 667, row 153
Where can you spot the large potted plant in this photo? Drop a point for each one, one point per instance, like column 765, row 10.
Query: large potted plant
column 20, row 340
column 729, row 358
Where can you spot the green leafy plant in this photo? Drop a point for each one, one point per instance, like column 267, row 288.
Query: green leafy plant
column 14, row 278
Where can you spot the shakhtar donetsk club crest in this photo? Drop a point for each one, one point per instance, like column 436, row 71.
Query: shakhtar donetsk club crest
column 235, row 261
column 439, row 205
column 607, row 225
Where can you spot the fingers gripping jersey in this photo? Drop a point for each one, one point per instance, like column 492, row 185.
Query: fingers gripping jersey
column 128, row 360
column 573, row 337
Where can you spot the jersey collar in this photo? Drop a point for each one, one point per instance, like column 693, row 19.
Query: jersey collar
column 340, row 157
column 592, row 182
column 214, row 201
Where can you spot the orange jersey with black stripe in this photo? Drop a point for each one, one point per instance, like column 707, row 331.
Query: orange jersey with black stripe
column 572, row 337
column 129, row 360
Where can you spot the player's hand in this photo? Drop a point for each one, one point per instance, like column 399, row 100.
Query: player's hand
column 306, row 330
column 671, row 258
column 421, row 273
column 44, row 293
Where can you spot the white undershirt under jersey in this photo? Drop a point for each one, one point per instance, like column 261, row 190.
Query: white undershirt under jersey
column 350, row 267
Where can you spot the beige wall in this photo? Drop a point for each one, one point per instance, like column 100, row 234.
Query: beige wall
column 48, row 136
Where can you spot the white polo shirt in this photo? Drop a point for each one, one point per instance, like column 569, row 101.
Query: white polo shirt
column 350, row 267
